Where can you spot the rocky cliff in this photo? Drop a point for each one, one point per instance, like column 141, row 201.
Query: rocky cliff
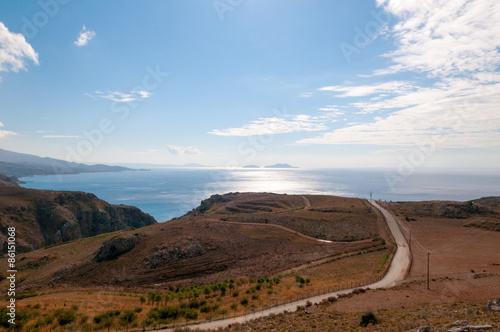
column 43, row 217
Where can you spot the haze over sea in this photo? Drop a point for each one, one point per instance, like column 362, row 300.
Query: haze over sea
column 169, row 193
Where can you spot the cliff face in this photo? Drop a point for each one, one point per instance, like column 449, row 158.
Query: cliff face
column 43, row 217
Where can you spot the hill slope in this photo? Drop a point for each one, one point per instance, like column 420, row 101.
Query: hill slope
column 196, row 248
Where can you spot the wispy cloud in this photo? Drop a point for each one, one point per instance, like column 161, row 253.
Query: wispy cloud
column 276, row 125
column 84, row 37
column 444, row 37
column 454, row 46
column 118, row 96
column 182, row 150
column 14, row 51
column 366, row 90
column 5, row 133
column 61, row 136
column 306, row 94
column 143, row 94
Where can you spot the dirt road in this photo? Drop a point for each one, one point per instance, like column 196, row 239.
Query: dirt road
column 397, row 272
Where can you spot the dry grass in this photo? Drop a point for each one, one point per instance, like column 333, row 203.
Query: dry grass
column 92, row 302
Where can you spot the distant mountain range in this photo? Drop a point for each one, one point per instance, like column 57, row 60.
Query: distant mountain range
column 146, row 165
column 20, row 165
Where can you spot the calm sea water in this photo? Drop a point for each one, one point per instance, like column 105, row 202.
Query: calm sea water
column 169, row 193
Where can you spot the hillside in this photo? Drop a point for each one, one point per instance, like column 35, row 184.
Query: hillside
column 481, row 213
column 43, row 217
column 322, row 217
column 191, row 249
column 20, row 165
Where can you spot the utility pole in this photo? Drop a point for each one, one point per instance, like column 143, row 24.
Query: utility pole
column 428, row 266
column 370, row 195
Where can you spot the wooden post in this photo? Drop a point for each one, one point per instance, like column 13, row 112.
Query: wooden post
column 428, row 269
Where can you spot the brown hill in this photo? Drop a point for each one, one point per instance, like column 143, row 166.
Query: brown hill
column 323, row 217
column 201, row 247
column 43, row 217
column 479, row 213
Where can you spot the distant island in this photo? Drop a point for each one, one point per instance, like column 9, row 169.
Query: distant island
column 251, row 166
column 280, row 166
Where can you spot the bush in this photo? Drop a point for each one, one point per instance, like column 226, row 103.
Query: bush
column 65, row 317
column 168, row 313
column 128, row 317
column 244, row 301
column 358, row 291
column 191, row 314
column 368, row 318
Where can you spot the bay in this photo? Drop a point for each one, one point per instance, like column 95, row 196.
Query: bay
column 170, row 193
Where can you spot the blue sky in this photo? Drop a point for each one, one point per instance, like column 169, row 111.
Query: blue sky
column 380, row 83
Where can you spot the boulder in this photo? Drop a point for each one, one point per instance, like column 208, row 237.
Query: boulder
column 115, row 247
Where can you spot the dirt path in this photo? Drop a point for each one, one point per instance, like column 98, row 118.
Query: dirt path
column 285, row 229
column 307, row 201
column 397, row 273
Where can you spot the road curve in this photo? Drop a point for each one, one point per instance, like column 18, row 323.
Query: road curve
column 397, row 273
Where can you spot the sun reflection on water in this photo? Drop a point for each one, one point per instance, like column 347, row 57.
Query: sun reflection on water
column 278, row 181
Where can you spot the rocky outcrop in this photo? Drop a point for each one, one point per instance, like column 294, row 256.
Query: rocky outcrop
column 463, row 210
column 207, row 204
column 174, row 252
column 43, row 217
column 9, row 181
column 115, row 247
column 457, row 326
column 72, row 216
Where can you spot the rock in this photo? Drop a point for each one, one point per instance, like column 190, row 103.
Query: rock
column 456, row 323
column 57, row 237
column 173, row 252
column 494, row 305
column 471, row 328
column 115, row 247
column 425, row 329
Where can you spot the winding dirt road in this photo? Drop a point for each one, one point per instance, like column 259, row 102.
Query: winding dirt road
column 397, row 272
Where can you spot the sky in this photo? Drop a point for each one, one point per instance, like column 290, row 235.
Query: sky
column 316, row 84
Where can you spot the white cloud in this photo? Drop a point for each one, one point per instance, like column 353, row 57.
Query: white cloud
column 445, row 37
column 276, row 125
column 143, row 94
column 454, row 44
column 61, row 136
column 462, row 113
column 14, row 51
column 5, row 133
column 84, row 37
column 182, row 150
column 366, row 90
column 123, row 97
column 306, row 94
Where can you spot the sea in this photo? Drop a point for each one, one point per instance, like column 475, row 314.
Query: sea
column 170, row 193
